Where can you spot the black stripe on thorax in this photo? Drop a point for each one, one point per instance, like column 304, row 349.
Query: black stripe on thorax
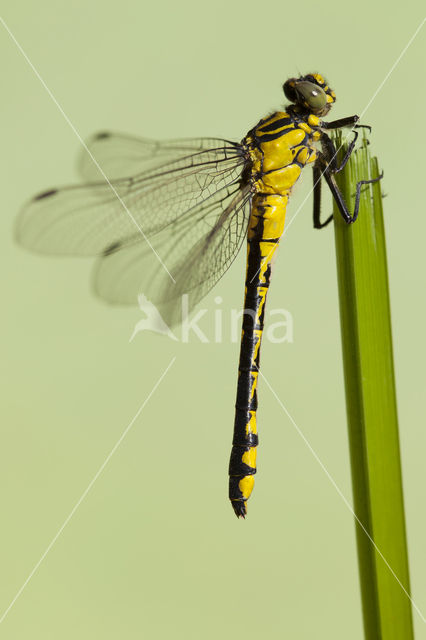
column 277, row 134
column 269, row 136
column 272, row 126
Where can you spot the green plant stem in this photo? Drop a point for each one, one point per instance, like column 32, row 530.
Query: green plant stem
column 371, row 406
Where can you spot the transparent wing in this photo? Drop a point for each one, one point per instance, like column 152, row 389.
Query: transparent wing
column 89, row 219
column 196, row 251
column 170, row 221
column 120, row 155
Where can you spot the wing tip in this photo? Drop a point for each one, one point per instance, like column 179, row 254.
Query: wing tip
column 112, row 248
column 44, row 194
column 101, row 135
column 21, row 229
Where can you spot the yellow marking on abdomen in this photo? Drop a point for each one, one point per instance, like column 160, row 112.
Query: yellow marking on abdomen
column 246, row 485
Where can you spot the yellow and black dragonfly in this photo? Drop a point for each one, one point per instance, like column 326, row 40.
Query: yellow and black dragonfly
column 170, row 218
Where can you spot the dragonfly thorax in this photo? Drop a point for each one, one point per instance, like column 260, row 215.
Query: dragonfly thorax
column 280, row 146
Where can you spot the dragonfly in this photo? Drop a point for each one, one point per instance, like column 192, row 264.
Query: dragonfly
column 168, row 218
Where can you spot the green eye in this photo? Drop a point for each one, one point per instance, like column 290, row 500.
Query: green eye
column 312, row 94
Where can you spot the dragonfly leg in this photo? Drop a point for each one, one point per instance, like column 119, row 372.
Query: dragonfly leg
column 317, row 200
column 329, row 151
column 363, row 126
column 329, row 176
column 327, row 163
column 350, row 121
column 329, row 148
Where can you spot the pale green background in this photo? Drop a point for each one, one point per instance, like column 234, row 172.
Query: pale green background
column 154, row 550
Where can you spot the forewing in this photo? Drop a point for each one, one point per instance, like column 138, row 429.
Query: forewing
column 117, row 155
column 87, row 220
column 195, row 252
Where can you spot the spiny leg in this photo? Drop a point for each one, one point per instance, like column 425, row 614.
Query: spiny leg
column 350, row 121
column 329, row 152
column 338, row 197
column 317, row 200
column 327, row 164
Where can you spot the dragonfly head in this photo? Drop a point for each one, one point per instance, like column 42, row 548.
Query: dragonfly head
column 311, row 93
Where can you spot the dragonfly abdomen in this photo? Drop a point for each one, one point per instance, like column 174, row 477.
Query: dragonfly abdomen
column 265, row 229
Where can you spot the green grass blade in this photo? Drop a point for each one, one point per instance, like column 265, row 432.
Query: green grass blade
column 371, row 406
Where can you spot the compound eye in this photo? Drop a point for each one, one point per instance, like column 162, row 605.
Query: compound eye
column 290, row 90
column 312, row 94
